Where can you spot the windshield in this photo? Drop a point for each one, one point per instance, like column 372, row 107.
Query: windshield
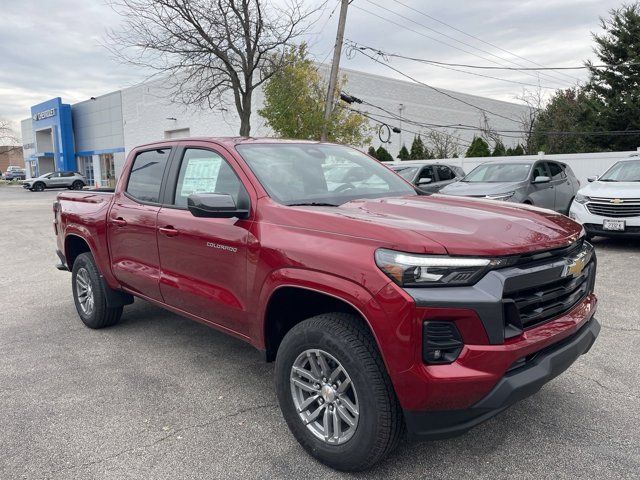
column 499, row 172
column 406, row 172
column 625, row 171
column 295, row 174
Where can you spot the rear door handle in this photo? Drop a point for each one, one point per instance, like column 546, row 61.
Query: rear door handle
column 121, row 222
column 169, row 231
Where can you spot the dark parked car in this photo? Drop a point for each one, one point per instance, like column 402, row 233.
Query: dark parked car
column 14, row 173
column 427, row 175
column 543, row 183
column 70, row 180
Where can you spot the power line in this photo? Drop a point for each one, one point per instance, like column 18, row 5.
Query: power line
column 409, row 19
column 442, row 92
column 477, row 38
column 486, row 67
column 446, row 66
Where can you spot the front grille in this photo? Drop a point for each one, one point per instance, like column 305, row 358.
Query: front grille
column 610, row 207
column 543, row 292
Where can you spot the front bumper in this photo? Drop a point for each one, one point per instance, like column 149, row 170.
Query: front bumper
column 593, row 223
column 514, row 386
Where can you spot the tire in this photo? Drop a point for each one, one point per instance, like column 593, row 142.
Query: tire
column 77, row 185
column 86, row 283
column 349, row 344
column 38, row 187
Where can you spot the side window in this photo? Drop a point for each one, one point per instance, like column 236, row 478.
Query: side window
column 557, row 173
column 204, row 171
column 444, row 173
column 66, row 174
column 540, row 170
column 146, row 175
column 55, row 175
column 426, row 172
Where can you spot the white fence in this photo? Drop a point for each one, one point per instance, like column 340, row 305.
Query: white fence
column 583, row 164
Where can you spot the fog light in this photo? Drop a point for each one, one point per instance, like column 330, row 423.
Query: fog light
column 441, row 342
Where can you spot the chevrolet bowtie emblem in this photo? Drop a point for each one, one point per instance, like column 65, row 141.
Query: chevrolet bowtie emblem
column 617, row 200
column 575, row 266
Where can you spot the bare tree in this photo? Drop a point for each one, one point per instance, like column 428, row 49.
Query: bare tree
column 487, row 132
column 534, row 101
column 206, row 49
column 443, row 144
column 8, row 136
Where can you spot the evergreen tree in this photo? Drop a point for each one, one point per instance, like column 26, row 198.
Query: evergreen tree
column 372, row 151
column 403, row 154
column 383, row 155
column 499, row 150
column 417, row 149
column 478, row 148
column 519, row 150
column 616, row 86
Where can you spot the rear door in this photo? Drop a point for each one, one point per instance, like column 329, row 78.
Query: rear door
column 132, row 223
column 204, row 260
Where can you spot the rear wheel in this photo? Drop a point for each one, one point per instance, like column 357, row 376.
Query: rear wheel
column 89, row 295
column 38, row 187
column 77, row 185
column 335, row 394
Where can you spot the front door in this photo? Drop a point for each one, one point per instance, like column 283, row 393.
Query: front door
column 204, row 260
column 427, row 172
column 132, row 225
column 542, row 194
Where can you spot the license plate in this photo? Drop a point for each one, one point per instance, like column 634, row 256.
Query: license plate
column 616, row 225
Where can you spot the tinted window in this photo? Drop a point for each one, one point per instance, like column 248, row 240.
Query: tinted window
column 67, row 174
column 204, row 171
column 557, row 173
column 146, row 175
column 444, row 173
column 540, row 170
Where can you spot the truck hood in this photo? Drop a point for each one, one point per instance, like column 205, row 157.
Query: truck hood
column 611, row 189
column 480, row 188
column 463, row 226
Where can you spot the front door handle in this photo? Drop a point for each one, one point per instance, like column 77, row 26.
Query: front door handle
column 121, row 222
column 169, row 231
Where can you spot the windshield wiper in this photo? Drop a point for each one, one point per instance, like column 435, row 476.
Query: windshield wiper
column 312, row 204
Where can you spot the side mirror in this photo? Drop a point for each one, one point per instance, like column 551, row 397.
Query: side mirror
column 424, row 181
column 541, row 179
column 214, row 205
column 592, row 179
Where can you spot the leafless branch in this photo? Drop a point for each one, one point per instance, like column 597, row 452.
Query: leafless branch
column 209, row 53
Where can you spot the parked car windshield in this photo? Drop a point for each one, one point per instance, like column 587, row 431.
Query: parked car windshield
column 308, row 174
column 406, row 172
column 625, row 171
column 499, row 172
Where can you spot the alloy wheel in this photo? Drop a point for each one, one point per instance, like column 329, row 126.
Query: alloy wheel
column 84, row 292
column 324, row 396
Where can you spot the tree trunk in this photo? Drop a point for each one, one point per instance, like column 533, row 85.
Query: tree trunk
column 245, row 114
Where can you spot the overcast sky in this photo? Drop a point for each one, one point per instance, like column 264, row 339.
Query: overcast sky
column 52, row 48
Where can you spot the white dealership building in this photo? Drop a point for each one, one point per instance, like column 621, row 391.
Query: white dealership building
column 94, row 136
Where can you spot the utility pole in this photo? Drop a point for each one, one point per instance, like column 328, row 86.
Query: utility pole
column 335, row 68
column 400, row 110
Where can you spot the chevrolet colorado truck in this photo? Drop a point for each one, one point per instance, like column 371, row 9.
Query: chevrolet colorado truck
column 386, row 311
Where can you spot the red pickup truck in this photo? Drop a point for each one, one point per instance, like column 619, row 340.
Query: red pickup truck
column 386, row 310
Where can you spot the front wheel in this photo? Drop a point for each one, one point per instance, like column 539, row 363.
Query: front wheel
column 89, row 295
column 38, row 187
column 335, row 394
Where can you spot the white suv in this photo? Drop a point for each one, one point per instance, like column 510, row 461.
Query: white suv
column 610, row 205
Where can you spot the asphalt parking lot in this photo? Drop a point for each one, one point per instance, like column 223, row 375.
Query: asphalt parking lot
column 159, row 396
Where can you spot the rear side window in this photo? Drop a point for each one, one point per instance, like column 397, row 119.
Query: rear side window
column 67, row 174
column 146, row 175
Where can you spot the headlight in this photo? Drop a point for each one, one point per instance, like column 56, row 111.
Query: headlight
column 414, row 270
column 581, row 198
column 501, row 196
